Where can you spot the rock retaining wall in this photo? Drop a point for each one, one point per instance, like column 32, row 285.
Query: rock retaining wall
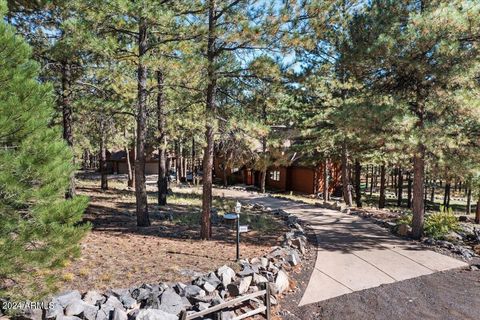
column 166, row 301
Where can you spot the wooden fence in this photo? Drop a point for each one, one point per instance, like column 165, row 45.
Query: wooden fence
column 263, row 308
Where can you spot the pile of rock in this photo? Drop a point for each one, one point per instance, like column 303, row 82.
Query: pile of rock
column 167, row 301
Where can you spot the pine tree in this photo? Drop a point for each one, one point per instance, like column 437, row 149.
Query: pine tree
column 39, row 228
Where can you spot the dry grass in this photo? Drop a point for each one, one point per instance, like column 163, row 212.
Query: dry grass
column 118, row 254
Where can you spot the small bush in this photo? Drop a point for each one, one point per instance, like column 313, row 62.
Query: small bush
column 440, row 223
column 436, row 224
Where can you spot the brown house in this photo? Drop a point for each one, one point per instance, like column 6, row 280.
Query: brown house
column 295, row 177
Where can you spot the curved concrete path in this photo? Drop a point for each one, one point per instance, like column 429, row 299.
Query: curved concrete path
column 353, row 254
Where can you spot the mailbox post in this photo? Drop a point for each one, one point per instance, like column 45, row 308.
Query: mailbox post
column 238, row 208
column 240, row 229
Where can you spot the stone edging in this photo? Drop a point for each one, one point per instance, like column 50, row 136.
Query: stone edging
column 166, row 301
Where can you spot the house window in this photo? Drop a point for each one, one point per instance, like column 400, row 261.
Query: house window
column 275, row 175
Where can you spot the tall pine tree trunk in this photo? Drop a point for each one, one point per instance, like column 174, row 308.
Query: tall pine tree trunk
column 477, row 213
column 206, row 231
column 67, row 117
column 409, row 190
column 325, row 180
column 469, row 201
column 418, row 204
column 400, row 187
column 432, row 192
column 372, row 179
column 143, row 219
column 381, row 199
column 103, row 154
column 446, row 195
column 162, row 183
column 263, row 179
column 347, row 192
column 358, row 190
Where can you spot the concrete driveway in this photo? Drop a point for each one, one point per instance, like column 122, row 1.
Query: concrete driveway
column 353, row 254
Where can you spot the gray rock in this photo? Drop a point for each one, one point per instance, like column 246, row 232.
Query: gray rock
column 193, row 290
column 203, row 306
column 128, row 301
column 94, row 298
column 74, row 308
column 31, row 314
column 244, row 284
column 68, row 318
column 210, row 278
column 208, row 287
column 140, row 294
column 171, row 302
column 179, row 288
column 117, row 292
column 186, row 303
column 264, row 262
column 226, row 275
column 258, row 279
column 298, row 243
column 155, row 314
column 293, row 258
column 55, row 310
column 119, row 315
column 67, row 297
column 281, row 282
column 112, row 303
column 153, row 300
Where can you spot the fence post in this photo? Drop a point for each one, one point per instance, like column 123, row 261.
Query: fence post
column 183, row 315
column 267, row 300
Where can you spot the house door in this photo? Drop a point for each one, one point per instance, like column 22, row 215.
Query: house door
column 249, row 179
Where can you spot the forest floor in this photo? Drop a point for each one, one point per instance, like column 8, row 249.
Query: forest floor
column 117, row 254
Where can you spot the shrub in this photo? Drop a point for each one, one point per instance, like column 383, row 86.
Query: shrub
column 436, row 224
column 440, row 223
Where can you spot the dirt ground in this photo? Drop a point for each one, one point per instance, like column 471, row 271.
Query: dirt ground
column 451, row 295
column 118, row 254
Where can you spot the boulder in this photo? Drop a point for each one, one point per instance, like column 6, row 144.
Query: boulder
column 210, row 278
column 299, row 244
column 94, row 298
column 208, row 287
column 171, row 302
column 258, row 279
column 155, row 314
column 112, row 303
column 68, row 297
column 264, row 262
column 55, row 310
column 281, row 282
column 128, row 301
column 244, row 284
column 140, row 294
column 119, row 315
column 193, row 290
column 117, row 292
column 293, row 258
column 203, row 306
column 81, row 308
column 226, row 275
column 153, row 301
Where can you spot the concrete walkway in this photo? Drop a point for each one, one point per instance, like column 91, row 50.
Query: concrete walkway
column 353, row 254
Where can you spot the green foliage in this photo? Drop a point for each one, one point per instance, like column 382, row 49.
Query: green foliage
column 437, row 224
column 440, row 223
column 39, row 229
